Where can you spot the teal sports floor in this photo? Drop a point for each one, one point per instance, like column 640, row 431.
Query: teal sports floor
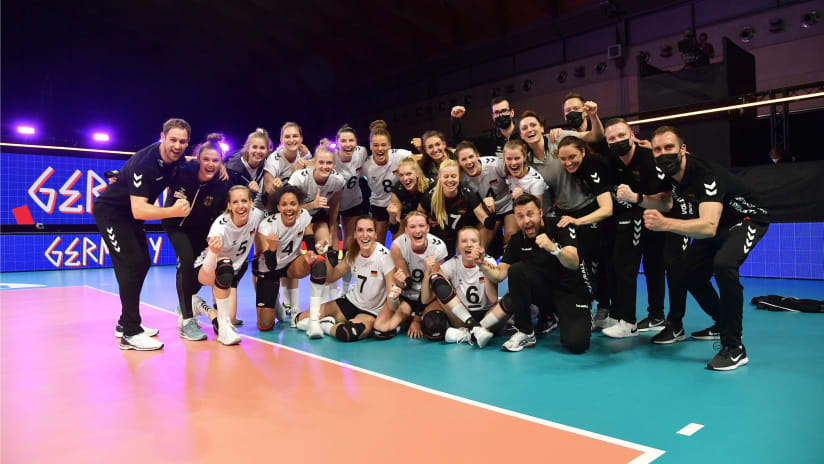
column 770, row 411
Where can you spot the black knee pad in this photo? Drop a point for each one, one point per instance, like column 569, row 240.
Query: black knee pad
column 309, row 240
column 442, row 288
column 224, row 273
column 507, row 304
column 434, row 324
column 332, row 256
column 350, row 331
column 266, row 294
column 318, row 271
column 384, row 335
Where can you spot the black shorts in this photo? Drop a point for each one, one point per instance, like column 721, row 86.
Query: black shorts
column 348, row 309
column 235, row 281
column 354, row 211
column 416, row 305
column 379, row 213
column 320, row 216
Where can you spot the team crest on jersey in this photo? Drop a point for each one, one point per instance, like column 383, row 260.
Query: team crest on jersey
column 300, row 233
column 208, row 200
column 462, row 211
column 395, row 172
column 493, row 181
column 636, row 175
column 181, row 194
column 481, row 279
column 374, row 273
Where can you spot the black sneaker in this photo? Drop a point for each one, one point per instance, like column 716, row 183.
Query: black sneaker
column 652, row 324
column 729, row 358
column 546, row 325
column 669, row 335
column 710, row 333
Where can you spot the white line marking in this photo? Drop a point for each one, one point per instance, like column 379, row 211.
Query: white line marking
column 690, row 429
column 12, row 286
column 649, row 454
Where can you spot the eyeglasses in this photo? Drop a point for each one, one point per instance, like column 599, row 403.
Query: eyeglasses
column 501, row 112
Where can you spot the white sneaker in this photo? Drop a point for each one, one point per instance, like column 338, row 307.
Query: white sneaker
column 118, row 331
column 199, row 306
column 519, row 341
column 481, row 336
column 281, row 313
column 314, row 331
column 292, row 312
column 326, row 324
column 457, row 335
column 622, row 329
column 226, row 334
column 140, row 342
column 606, row 323
column 302, row 325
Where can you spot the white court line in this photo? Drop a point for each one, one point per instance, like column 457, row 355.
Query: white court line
column 649, row 454
column 690, row 429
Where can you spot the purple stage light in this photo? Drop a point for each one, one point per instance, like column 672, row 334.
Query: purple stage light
column 333, row 145
column 26, row 130
column 224, row 146
column 100, row 137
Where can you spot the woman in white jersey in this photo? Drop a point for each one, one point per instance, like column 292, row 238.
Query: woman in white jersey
column 486, row 176
column 222, row 265
column 351, row 317
column 381, row 170
column 520, row 176
column 410, row 253
column 280, row 236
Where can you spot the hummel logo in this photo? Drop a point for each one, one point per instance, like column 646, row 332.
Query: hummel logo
column 137, row 180
column 660, row 174
column 572, row 232
column 635, row 242
column 113, row 239
column 686, row 243
column 595, row 178
column 711, row 189
column 623, row 223
column 136, row 177
column 159, row 178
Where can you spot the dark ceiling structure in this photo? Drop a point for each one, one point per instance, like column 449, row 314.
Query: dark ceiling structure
column 236, row 65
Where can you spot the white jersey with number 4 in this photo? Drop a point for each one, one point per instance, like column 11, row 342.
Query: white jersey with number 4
column 416, row 261
column 490, row 182
column 290, row 238
column 468, row 283
column 237, row 240
column 369, row 276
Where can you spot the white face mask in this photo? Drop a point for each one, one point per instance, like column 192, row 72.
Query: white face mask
column 774, row 160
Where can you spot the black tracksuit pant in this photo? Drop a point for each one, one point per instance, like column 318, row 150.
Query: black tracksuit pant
column 722, row 256
column 126, row 240
column 188, row 243
column 595, row 242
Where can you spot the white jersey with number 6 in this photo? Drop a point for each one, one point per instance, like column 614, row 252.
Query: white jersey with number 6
column 416, row 261
column 351, row 172
column 369, row 275
column 290, row 238
column 468, row 283
column 237, row 241
column 381, row 178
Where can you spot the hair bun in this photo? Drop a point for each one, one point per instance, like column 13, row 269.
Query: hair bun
column 377, row 124
column 214, row 137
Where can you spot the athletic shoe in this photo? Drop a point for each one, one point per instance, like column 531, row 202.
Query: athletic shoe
column 281, row 312
column 651, row 324
column 710, row 333
column 179, row 315
column 237, row 323
column 118, row 331
column 227, row 335
column 669, row 335
column 199, row 306
column 481, row 336
column 314, row 331
column 190, row 330
column 622, row 329
column 140, row 342
column 600, row 316
column 326, row 324
column 546, row 325
column 293, row 315
column 457, row 335
column 729, row 358
column 519, row 341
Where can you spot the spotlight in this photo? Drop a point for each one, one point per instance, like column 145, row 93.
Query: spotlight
column 26, row 130
column 224, row 146
column 746, row 34
column 601, row 67
column 776, row 25
column 100, row 137
column 333, row 145
column 580, row 71
column 527, row 85
column 666, row 51
column 810, row 18
column 561, row 77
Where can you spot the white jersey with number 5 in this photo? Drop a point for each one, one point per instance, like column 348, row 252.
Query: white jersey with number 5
column 237, row 241
column 416, row 261
column 369, row 275
column 468, row 283
column 381, row 178
column 290, row 238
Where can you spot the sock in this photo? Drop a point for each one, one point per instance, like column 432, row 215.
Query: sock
column 463, row 314
column 210, row 262
column 303, row 324
column 315, row 300
column 223, row 311
column 347, row 279
column 489, row 321
column 291, row 297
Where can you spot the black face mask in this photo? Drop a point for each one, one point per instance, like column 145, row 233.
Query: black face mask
column 575, row 119
column 669, row 163
column 620, row 148
column 503, row 121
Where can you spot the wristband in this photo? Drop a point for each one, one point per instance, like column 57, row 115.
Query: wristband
column 640, row 197
column 556, row 252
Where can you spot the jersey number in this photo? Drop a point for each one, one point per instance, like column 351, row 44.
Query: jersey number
column 455, row 218
column 490, row 193
column 363, row 282
column 417, row 275
column 387, row 185
column 242, row 248
column 472, row 295
column 352, row 182
column 288, row 248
